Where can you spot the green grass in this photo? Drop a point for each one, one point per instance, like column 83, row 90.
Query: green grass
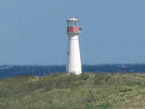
column 68, row 91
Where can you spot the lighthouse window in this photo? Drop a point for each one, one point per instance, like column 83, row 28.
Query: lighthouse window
column 75, row 23
column 70, row 23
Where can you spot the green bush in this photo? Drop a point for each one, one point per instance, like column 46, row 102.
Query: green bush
column 98, row 78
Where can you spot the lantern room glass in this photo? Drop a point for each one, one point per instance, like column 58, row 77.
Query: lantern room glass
column 73, row 23
column 70, row 23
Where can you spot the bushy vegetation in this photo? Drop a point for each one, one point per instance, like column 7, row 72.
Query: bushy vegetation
column 68, row 91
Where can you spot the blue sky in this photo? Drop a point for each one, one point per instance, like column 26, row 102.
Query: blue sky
column 32, row 32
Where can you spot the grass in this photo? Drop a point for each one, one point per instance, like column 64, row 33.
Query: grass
column 68, row 91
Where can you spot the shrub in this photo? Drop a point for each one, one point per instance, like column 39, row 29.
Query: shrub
column 84, row 76
column 98, row 78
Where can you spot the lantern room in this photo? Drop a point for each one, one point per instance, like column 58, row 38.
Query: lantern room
column 73, row 25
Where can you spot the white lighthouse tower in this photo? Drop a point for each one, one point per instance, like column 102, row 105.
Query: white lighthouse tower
column 73, row 53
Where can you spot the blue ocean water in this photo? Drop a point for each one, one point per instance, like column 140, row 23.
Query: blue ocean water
column 7, row 71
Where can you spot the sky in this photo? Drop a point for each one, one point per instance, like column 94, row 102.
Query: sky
column 33, row 32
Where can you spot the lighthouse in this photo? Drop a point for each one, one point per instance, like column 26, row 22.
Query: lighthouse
column 73, row 53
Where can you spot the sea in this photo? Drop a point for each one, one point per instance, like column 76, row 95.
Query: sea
column 9, row 71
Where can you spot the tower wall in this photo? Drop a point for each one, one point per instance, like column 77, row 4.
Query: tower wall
column 73, row 54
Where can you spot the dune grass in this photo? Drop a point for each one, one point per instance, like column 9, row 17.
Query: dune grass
column 68, row 91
